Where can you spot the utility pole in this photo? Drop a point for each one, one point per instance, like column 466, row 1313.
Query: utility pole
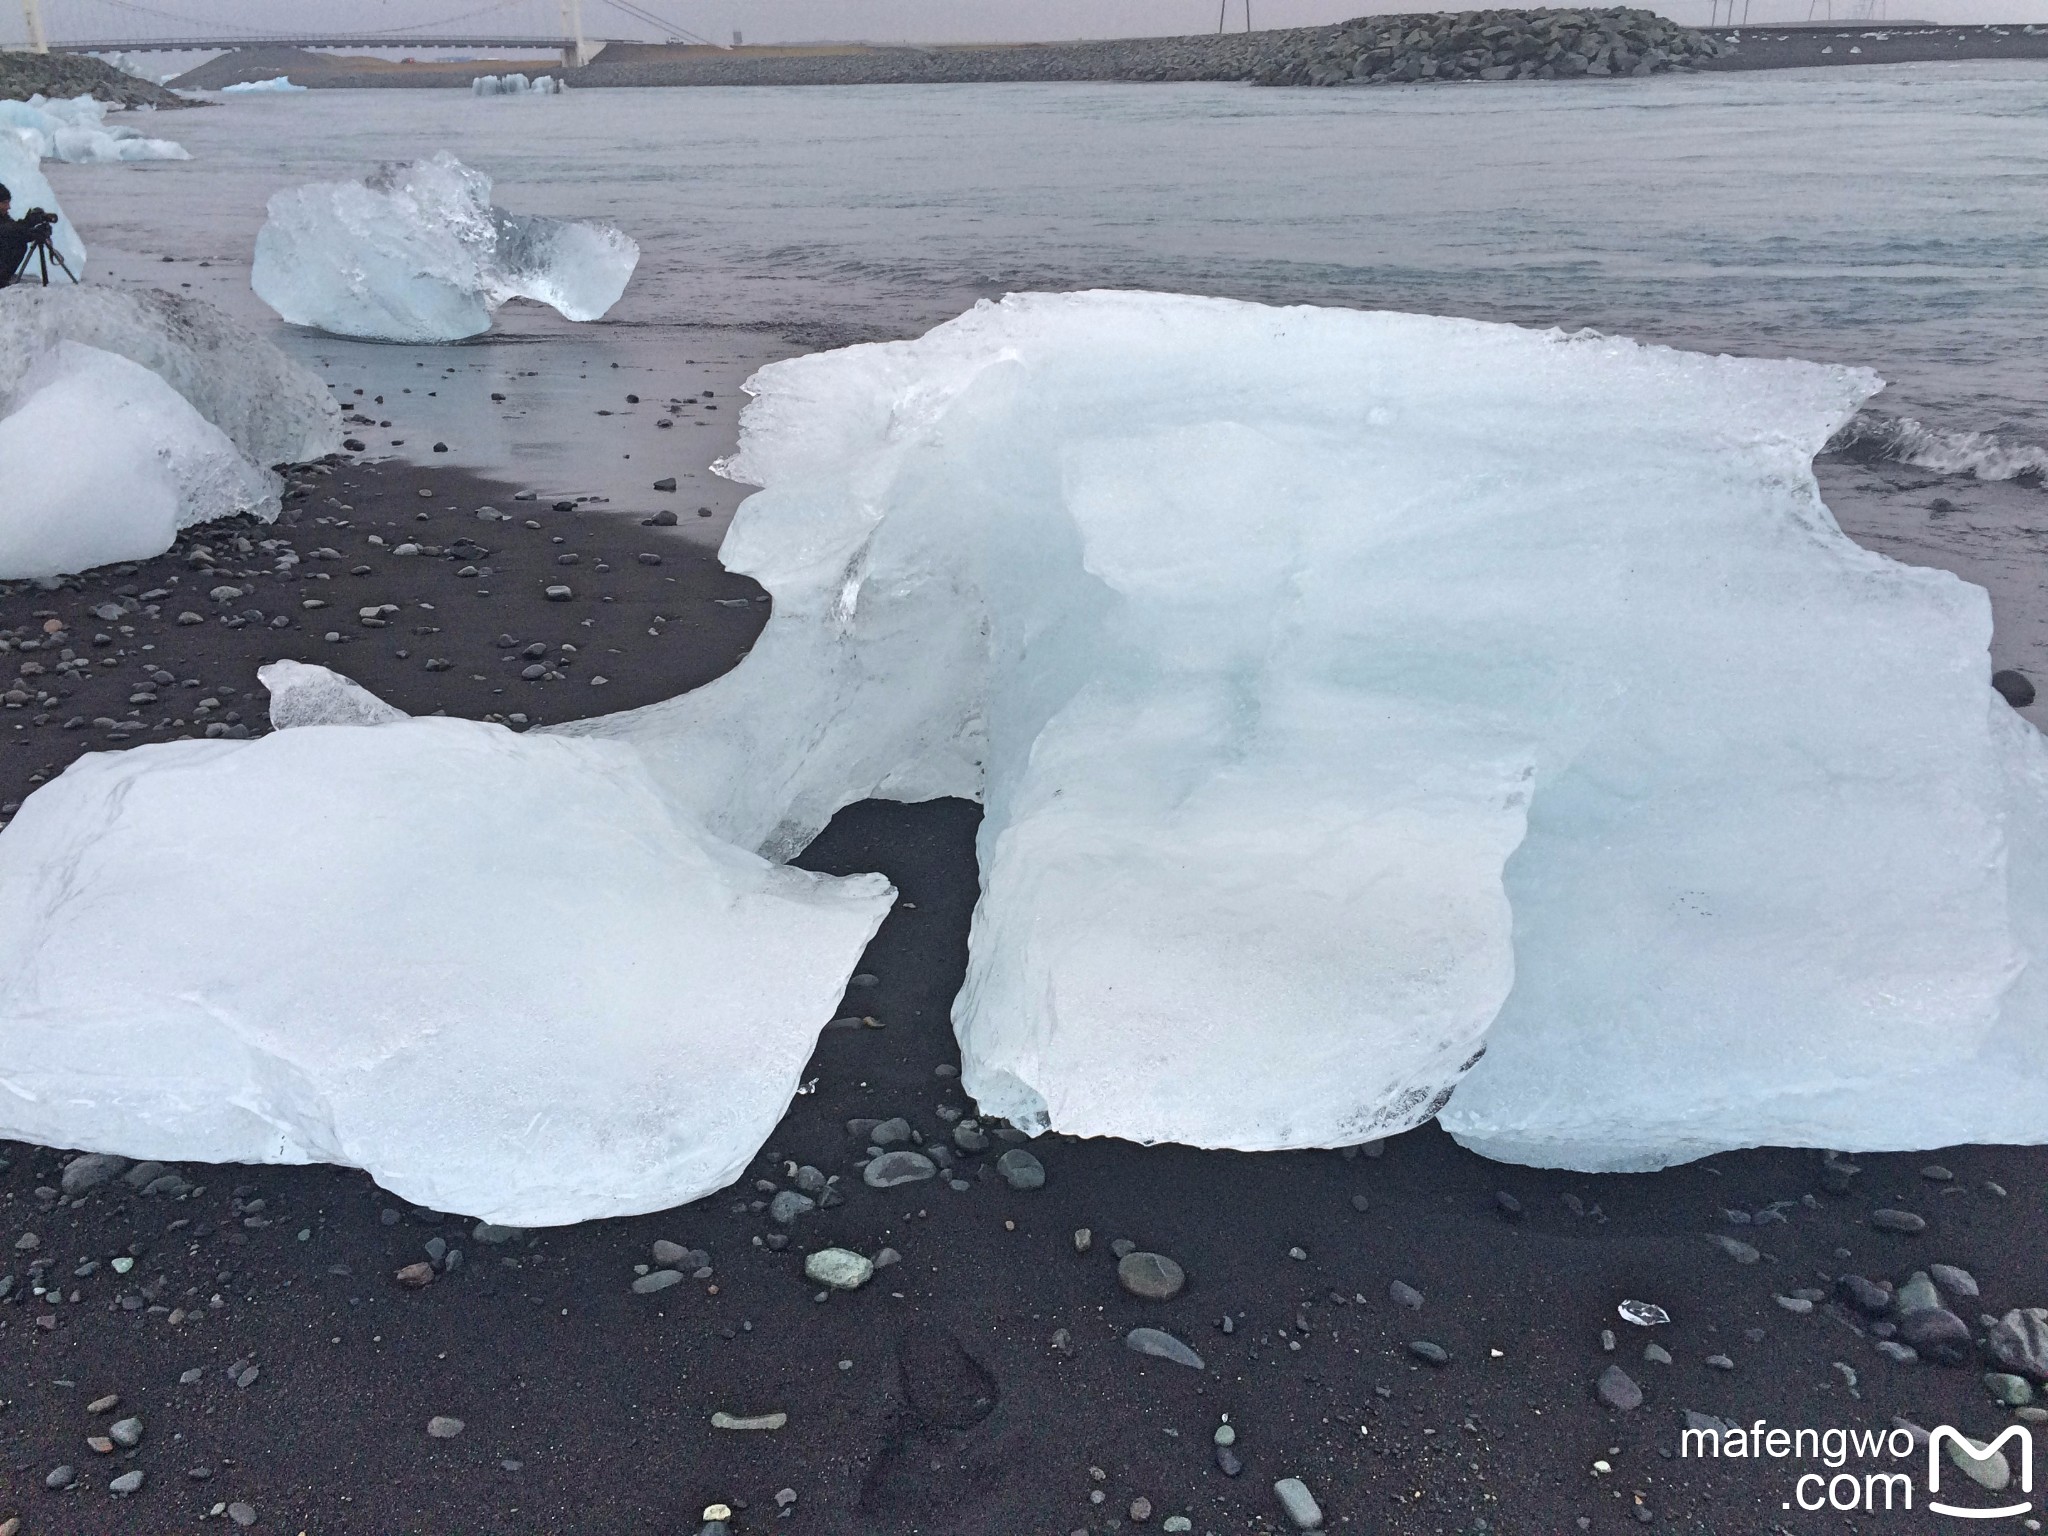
column 578, row 53
column 38, row 38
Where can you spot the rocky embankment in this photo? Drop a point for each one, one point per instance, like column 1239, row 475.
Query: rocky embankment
column 23, row 75
column 1490, row 45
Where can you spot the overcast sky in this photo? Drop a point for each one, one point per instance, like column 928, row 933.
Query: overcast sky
column 872, row 20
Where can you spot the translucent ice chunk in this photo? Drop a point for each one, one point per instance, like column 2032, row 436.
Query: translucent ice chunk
column 514, row 85
column 417, row 253
column 301, row 694
column 1351, row 693
column 495, row 970
column 277, row 85
column 77, row 131
column 274, row 409
column 104, row 461
column 21, row 174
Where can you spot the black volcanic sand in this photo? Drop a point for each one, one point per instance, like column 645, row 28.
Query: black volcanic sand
column 456, row 626
column 982, row 1384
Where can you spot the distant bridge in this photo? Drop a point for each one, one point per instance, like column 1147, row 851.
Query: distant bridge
column 112, row 26
column 281, row 40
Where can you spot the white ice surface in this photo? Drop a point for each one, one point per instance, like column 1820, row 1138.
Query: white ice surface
column 301, row 694
column 275, row 410
column 76, row 131
column 102, row 460
column 21, row 173
column 514, row 85
column 1349, row 692
column 277, row 85
column 417, row 253
column 497, row 971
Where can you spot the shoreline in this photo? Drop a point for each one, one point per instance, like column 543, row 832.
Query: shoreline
column 1213, row 57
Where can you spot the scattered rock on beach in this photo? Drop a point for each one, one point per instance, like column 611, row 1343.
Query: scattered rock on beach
column 1954, row 1281
column 1618, row 1390
column 1735, row 1248
column 1162, row 1345
column 90, row 1172
column 2019, row 1342
column 894, row 1168
column 841, row 1269
column 2016, row 688
column 1937, row 1334
column 1020, row 1170
column 1299, row 1503
column 1151, row 1275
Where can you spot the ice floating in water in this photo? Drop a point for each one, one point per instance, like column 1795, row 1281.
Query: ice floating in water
column 128, row 414
column 142, row 66
column 21, row 173
column 515, row 85
column 417, row 253
column 279, row 84
column 447, row 914
column 76, row 131
column 1352, row 693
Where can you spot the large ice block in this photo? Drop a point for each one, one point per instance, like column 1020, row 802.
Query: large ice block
column 416, row 252
column 102, row 460
column 495, row 970
column 1353, row 693
column 276, row 410
column 21, row 173
column 127, row 414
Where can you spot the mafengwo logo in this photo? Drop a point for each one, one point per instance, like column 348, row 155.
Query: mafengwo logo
column 1865, row 1471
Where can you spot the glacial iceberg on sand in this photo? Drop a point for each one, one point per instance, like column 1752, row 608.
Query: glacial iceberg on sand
column 498, row 971
column 1351, row 694
column 416, row 252
column 127, row 414
column 104, row 461
column 1376, row 717
column 21, row 173
column 76, row 131
column 277, row 411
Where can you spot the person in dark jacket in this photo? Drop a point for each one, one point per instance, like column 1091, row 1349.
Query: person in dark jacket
column 16, row 236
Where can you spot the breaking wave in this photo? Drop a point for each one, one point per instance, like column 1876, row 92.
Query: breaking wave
column 1902, row 440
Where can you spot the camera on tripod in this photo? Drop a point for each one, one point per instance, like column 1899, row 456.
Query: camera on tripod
column 38, row 224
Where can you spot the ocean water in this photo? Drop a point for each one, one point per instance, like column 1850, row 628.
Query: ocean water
column 1891, row 217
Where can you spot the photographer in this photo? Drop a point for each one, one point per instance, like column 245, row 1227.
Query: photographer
column 18, row 236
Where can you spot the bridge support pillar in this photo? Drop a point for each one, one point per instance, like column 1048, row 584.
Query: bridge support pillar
column 579, row 52
column 38, row 35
